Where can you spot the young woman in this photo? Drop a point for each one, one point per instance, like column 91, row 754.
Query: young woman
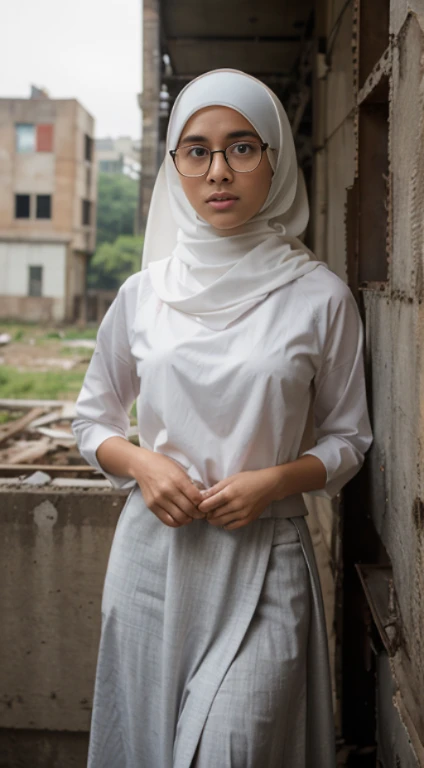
column 213, row 649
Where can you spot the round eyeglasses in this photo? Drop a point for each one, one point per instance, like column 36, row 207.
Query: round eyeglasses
column 242, row 157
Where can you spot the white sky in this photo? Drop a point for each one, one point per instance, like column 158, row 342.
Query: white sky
column 84, row 49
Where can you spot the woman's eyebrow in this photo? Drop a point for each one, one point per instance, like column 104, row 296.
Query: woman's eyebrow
column 193, row 138
column 241, row 134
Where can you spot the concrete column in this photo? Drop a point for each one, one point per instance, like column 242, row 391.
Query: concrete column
column 149, row 104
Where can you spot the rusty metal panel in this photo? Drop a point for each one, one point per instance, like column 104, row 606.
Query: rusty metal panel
column 395, row 747
column 378, row 586
column 373, row 34
column 373, row 169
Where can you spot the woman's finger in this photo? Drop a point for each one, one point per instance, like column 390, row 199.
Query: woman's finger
column 187, row 506
column 190, row 491
column 164, row 516
column 229, row 514
column 215, row 488
column 217, row 500
column 233, row 526
column 176, row 513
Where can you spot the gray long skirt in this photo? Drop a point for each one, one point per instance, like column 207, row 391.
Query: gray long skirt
column 213, row 650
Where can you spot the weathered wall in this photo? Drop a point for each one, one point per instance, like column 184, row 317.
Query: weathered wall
column 85, row 181
column 16, row 258
column 394, row 334
column 53, row 554
column 395, row 322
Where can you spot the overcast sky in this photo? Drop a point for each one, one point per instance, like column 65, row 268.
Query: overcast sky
column 84, row 49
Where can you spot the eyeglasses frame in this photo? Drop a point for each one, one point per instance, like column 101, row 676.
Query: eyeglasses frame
column 264, row 146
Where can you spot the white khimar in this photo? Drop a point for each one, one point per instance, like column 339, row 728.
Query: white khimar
column 193, row 267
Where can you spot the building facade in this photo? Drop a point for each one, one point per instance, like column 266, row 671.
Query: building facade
column 121, row 156
column 47, row 207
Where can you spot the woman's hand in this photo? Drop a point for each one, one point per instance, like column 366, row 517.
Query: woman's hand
column 239, row 499
column 167, row 490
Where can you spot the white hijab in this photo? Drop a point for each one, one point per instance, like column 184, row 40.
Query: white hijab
column 194, row 268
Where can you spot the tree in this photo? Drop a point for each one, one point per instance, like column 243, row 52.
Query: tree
column 114, row 262
column 117, row 199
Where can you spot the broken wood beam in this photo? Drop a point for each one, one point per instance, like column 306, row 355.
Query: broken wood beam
column 12, row 470
column 12, row 428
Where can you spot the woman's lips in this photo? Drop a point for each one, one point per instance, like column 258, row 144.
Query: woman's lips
column 222, row 205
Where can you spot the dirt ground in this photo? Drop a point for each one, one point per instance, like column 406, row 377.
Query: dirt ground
column 43, row 349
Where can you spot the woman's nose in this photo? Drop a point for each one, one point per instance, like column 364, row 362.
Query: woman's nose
column 219, row 169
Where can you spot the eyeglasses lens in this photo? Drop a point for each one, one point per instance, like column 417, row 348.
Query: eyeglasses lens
column 195, row 160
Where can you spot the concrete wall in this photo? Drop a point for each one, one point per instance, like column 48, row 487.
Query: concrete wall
column 53, row 553
column 394, row 332
column 15, row 260
column 85, row 180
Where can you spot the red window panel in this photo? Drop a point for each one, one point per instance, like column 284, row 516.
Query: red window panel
column 44, row 138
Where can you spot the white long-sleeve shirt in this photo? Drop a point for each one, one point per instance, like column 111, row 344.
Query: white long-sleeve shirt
column 221, row 402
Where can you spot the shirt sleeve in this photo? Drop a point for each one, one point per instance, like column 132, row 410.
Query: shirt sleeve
column 110, row 387
column 342, row 427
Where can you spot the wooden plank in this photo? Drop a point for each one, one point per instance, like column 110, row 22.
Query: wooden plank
column 57, row 434
column 76, row 482
column 48, row 418
column 17, row 426
column 9, row 470
column 16, row 403
column 32, row 451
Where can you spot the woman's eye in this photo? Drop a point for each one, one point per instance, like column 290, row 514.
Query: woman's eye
column 197, row 152
column 242, row 149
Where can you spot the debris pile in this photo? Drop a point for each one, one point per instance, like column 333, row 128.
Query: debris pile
column 38, row 449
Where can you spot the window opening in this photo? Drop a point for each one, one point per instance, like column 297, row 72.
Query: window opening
column 22, row 206
column 25, row 137
column 35, row 281
column 86, row 212
column 88, row 148
column 44, row 207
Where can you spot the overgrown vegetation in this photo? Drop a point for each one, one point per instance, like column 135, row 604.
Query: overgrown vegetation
column 114, row 262
column 43, row 385
column 117, row 199
column 118, row 252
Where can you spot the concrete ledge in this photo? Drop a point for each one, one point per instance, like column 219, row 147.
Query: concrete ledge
column 54, row 547
column 42, row 749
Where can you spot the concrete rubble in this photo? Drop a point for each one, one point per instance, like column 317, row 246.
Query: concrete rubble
column 38, row 431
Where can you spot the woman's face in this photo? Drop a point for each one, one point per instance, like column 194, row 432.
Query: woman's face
column 218, row 128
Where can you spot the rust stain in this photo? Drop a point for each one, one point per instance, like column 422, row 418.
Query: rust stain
column 418, row 513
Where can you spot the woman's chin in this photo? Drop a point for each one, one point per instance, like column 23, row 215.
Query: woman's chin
column 226, row 223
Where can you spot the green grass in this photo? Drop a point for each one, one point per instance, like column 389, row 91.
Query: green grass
column 49, row 385
column 43, row 334
column 6, row 416
column 77, row 352
column 79, row 333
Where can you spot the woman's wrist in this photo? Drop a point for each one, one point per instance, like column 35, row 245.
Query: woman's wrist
column 137, row 461
column 303, row 475
column 275, row 481
column 118, row 456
